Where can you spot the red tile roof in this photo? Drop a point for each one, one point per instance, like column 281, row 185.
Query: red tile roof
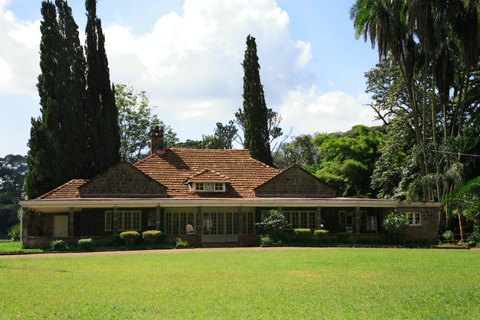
column 175, row 167
column 208, row 175
column 65, row 191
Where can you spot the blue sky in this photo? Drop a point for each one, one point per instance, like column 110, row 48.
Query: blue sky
column 187, row 56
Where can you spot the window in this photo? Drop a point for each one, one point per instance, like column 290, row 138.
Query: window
column 127, row 220
column 347, row 218
column 176, row 221
column 415, row 219
column 301, row 219
column 209, row 186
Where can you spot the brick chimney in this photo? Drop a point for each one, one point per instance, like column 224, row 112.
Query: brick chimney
column 156, row 140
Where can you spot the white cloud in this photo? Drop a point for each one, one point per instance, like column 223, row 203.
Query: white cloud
column 19, row 58
column 311, row 111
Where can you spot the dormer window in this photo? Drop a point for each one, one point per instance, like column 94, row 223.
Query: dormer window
column 209, row 186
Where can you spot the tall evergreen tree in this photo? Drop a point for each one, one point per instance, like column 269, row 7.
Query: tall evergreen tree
column 77, row 134
column 254, row 107
column 48, row 163
column 102, row 114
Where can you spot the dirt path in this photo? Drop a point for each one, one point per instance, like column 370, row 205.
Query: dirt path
column 132, row 252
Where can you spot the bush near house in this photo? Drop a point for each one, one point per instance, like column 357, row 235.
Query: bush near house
column 151, row 236
column 320, row 235
column 130, row 237
column 343, row 237
column 303, row 235
column 86, row 244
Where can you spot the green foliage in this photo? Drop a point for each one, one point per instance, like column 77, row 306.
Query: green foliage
column 179, row 243
column 86, row 244
column 151, row 237
column 343, row 237
column 135, row 121
column 348, row 160
column 254, row 107
column 467, row 201
column 266, row 240
column 14, row 232
column 76, row 135
column 320, row 235
column 130, row 237
column 303, row 235
column 448, row 235
column 396, row 225
column 273, row 222
column 58, row 245
column 116, row 240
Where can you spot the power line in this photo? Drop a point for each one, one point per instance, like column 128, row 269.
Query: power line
column 458, row 154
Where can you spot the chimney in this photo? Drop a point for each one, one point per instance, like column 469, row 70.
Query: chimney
column 156, row 140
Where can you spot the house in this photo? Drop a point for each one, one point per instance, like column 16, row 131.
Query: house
column 223, row 193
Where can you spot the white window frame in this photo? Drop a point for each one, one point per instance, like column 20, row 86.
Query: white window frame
column 121, row 221
column 412, row 219
column 209, row 186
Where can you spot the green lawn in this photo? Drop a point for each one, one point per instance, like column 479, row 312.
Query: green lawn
column 245, row 283
column 15, row 247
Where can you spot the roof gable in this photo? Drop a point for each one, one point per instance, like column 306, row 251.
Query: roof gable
column 294, row 182
column 122, row 180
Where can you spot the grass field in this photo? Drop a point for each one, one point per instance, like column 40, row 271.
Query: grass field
column 15, row 247
column 245, row 283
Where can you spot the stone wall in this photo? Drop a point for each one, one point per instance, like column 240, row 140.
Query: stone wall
column 122, row 179
column 427, row 232
column 294, row 182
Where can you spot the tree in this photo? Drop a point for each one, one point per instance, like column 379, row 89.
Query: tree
column 272, row 224
column 396, row 225
column 76, row 135
column 13, row 169
column 254, row 107
column 435, row 46
column 135, row 122
column 57, row 137
column 225, row 134
column 101, row 112
column 348, row 160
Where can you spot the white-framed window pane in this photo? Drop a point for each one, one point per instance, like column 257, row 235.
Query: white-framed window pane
column 108, row 220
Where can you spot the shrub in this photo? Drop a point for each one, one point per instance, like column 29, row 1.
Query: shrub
column 303, row 235
column 396, row 225
column 343, row 237
column 181, row 244
column 116, row 240
column 151, row 237
column 448, row 235
column 320, row 235
column 86, row 244
column 14, row 232
column 129, row 237
column 281, row 236
column 58, row 245
column 474, row 238
column 162, row 238
column 273, row 222
column 139, row 241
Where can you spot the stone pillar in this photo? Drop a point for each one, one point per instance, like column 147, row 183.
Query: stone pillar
column 199, row 221
column 318, row 218
column 240, row 220
column 23, row 233
column 71, row 222
column 357, row 220
column 158, row 218
column 115, row 220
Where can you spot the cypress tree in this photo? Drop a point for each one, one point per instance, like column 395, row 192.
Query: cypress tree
column 41, row 158
column 254, row 107
column 102, row 114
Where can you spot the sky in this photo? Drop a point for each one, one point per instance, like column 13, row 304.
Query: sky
column 187, row 55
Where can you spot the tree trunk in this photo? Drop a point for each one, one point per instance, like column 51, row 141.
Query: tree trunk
column 461, row 224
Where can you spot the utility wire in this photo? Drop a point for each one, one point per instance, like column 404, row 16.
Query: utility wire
column 461, row 154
